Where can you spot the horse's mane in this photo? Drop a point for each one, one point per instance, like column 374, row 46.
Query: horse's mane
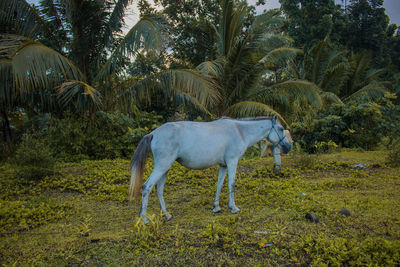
column 259, row 118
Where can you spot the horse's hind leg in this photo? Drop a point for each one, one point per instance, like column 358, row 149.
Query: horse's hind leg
column 160, row 194
column 221, row 177
column 155, row 176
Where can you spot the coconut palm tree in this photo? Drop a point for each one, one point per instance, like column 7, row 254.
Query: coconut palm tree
column 246, row 56
column 71, row 53
column 337, row 77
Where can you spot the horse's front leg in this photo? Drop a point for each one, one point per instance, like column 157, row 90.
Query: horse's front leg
column 220, row 183
column 231, row 182
column 276, row 151
column 160, row 194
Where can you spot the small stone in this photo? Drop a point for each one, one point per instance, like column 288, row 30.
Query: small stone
column 359, row 167
column 312, row 217
column 344, row 212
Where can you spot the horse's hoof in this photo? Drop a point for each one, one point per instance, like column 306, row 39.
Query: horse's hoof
column 217, row 210
column 145, row 221
column 235, row 210
column 167, row 217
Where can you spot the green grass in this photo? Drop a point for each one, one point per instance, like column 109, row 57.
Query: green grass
column 80, row 215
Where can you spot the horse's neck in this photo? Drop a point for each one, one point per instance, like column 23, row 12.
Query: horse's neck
column 254, row 131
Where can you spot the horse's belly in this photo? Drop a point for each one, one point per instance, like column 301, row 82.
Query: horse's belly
column 199, row 162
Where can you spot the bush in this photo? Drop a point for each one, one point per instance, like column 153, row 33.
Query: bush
column 107, row 136
column 393, row 157
column 361, row 123
column 33, row 158
column 325, row 147
column 301, row 159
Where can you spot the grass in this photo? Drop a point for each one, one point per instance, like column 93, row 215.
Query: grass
column 80, row 215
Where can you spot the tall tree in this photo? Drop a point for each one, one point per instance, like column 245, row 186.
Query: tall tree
column 193, row 37
column 246, row 54
column 310, row 21
column 368, row 29
column 337, row 76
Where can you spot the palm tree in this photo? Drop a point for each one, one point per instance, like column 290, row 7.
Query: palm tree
column 363, row 79
column 246, row 56
column 88, row 59
column 337, row 77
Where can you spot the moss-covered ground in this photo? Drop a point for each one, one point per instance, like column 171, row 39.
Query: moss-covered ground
column 81, row 216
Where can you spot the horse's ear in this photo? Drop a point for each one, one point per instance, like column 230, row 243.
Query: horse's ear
column 275, row 118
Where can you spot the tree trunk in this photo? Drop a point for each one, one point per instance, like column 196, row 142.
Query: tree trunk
column 7, row 134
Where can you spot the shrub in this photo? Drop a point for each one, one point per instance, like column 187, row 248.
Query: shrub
column 108, row 135
column 33, row 158
column 325, row 147
column 393, row 157
column 302, row 159
column 361, row 123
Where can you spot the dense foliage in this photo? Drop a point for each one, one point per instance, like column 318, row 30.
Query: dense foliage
column 360, row 123
column 112, row 136
column 80, row 215
column 77, row 95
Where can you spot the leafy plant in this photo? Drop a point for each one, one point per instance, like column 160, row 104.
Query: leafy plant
column 325, row 147
column 33, row 158
column 113, row 135
column 360, row 123
column 393, row 157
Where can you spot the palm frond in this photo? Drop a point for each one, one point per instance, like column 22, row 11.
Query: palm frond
column 318, row 54
column 78, row 94
column 294, row 71
column 300, row 89
column 330, row 98
column 374, row 74
column 231, row 22
column 335, row 77
column 115, row 21
column 373, row 90
column 265, row 20
column 271, row 42
column 148, row 33
column 191, row 82
column 188, row 99
column 35, row 65
column 280, row 56
column 176, row 82
column 251, row 109
column 214, row 68
column 21, row 18
column 359, row 64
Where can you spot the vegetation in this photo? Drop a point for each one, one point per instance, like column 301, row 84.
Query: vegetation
column 77, row 95
column 81, row 215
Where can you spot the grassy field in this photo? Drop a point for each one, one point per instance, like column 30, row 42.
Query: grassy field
column 80, row 215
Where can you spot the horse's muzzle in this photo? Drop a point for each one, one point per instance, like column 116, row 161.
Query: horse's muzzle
column 286, row 148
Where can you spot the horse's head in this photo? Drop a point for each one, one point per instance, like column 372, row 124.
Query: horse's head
column 278, row 137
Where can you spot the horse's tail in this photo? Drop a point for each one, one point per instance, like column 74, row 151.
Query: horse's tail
column 137, row 166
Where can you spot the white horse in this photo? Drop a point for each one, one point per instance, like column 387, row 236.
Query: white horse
column 200, row 145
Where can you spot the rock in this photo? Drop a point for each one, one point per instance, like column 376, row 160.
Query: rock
column 375, row 166
column 358, row 167
column 344, row 212
column 312, row 217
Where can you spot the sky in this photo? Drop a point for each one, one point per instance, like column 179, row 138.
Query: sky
column 392, row 10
